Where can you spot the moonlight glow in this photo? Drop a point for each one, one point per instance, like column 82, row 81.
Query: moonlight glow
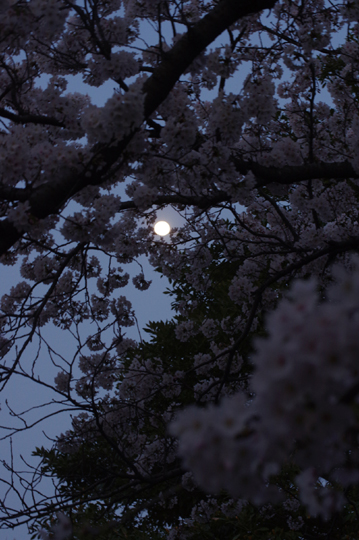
column 162, row 228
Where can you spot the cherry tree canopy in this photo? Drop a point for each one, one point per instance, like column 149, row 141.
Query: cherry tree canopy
column 243, row 117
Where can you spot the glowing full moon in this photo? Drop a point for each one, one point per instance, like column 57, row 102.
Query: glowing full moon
column 162, row 228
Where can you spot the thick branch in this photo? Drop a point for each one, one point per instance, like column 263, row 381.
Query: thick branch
column 13, row 194
column 290, row 174
column 186, row 50
column 30, row 118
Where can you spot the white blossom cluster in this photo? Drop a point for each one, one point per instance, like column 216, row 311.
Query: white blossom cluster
column 305, row 371
column 120, row 115
column 62, row 530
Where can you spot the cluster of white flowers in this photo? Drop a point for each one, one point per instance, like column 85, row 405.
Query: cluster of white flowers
column 260, row 101
column 184, row 330
column 286, row 152
column 304, row 371
column 143, row 196
column 114, row 280
column 122, row 309
column 20, row 216
column 51, row 13
column 140, row 282
column 227, row 117
column 62, row 381
column 62, row 530
column 120, row 114
column 121, row 65
column 350, row 10
column 182, row 134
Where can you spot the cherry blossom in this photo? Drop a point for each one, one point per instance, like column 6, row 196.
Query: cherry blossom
column 241, row 120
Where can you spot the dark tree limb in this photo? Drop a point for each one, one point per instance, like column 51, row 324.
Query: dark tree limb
column 30, row 118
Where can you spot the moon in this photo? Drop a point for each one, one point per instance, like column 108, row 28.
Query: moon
column 162, row 228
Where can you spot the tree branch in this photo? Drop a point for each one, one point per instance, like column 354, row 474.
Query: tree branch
column 30, row 119
column 290, row 174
